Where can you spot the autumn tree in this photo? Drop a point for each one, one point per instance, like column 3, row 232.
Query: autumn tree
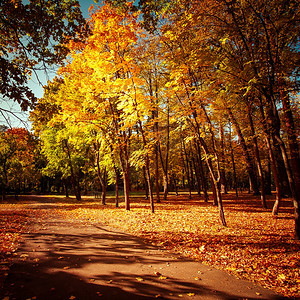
column 32, row 38
column 17, row 160
column 112, row 94
column 241, row 48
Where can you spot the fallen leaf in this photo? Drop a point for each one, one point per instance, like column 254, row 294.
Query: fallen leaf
column 139, row 279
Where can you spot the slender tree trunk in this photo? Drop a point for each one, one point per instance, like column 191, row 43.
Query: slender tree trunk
column 66, row 188
column 74, row 181
column 201, row 169
column 268, row 181
column 124, row 162
column 222, row 161
column 157, row 174
column 126, row 187
column 215, row 181
column 276, row 179
column 258, row 161
column 165, row 162
column 147, row 166
column 233, row 164
column 175, row 185
column 272, row 159
column 292, row 138
column 101, row 180
column 147, row 169
column 196, row 168
column 117, row 186
column 186, row 167
column 295, row 196
column 145, row 184
column 249, row 163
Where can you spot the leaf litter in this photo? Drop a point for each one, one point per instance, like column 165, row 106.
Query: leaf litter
column 254, row 246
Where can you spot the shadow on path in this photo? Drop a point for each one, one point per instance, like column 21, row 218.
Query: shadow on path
column 70, row 260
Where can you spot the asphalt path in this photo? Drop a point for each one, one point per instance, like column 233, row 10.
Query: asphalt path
column 65, row 259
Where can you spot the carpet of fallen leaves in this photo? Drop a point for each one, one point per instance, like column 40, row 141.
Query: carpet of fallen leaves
column 254, row 246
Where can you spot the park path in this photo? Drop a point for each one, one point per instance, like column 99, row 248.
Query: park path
column 65, row 259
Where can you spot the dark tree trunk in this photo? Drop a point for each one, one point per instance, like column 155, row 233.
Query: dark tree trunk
column 74, row 180
column 145, row 183
column 117, row 186
column 201, row 169
column 157, row 174
column 258, row 161
column 185, row 160
column 233, row 164
column 222, row 161
column 248, row 160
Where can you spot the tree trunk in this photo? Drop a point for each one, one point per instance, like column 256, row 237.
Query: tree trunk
column 215, row 181
column 117, row 186
column 292, row 137
column 258, row 161
column 249, row 163
column 74, row 181
column 165, row 186
column 101, row 180
column 125, row 166
column 295, row 196
column 276, row 179
column 149, row 183
column 222, row 161
column 126, row 188
column 145, row 184
column 186, row 166
column 157, row 174
column 233, row 164
column 66, row 188
column 196, row 168
column 165, row 162
column 201, row 169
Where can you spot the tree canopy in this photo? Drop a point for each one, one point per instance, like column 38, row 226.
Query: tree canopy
column 33, row 37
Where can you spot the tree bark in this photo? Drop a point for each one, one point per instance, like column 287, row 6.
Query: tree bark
column 74, row 180
column 101, row 180
column 249, row 163
column 233, row 164
column 201, row 169
column 222, row 161
column 258, row 161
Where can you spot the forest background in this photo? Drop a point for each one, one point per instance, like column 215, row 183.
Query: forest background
column 154, row 96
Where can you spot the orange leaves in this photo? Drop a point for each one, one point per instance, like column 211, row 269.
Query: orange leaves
column 12, row 224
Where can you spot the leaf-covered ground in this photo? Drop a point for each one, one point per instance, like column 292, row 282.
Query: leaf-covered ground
column 255, row 245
